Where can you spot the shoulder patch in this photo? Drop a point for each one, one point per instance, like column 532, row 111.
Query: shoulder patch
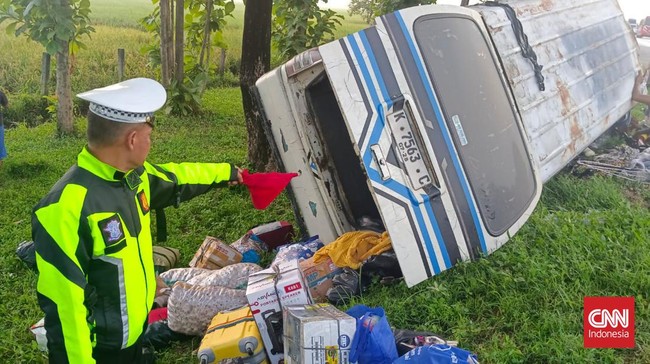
column 144, row 203
column 112, row 229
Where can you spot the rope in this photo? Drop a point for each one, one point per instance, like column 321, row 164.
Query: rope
column 526, row 50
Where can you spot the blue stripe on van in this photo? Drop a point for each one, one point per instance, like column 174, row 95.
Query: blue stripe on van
column 362, row 138
column 443, row 128
column 374, row 137
column 448, row 244
column 435, row 135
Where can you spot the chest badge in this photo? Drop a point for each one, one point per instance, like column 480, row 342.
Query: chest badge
column 144, row 203
column 112, row 229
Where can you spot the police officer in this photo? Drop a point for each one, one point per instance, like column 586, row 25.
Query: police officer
column 4, row 103
column 92, row 233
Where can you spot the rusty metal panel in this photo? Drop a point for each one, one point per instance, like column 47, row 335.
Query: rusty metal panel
column 589, row 58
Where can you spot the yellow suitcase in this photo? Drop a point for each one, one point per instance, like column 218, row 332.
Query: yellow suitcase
column 232, row 336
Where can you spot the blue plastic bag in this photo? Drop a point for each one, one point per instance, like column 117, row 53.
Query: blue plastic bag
column 373, row 342
column 437, row 354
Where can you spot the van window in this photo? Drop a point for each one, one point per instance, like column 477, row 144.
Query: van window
column 479, row 116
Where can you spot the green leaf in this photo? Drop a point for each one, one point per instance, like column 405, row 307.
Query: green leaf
column 11, row 28
column 29, row 7
column 12, row 13
column 52, row 48
column 74, row 47
column 229, row 7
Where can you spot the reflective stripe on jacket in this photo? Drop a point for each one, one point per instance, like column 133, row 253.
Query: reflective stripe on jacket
column 92, row 233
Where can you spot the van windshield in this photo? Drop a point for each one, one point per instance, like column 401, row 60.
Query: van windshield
column 479, row 116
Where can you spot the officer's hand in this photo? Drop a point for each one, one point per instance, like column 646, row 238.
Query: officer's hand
column 239, row 180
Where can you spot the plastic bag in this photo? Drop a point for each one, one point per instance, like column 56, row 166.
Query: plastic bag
column 373, row 342
column 298, row 251
column 383, row 268
column 38, row 329
column 26, row 251
column 190, row 308
column 344, row 286
column 160, row 336
column 406, row 340
column 437, row 354
column 232, row 276
column 250, row 246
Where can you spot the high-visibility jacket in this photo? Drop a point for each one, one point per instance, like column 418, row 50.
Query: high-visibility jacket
column 93, row 242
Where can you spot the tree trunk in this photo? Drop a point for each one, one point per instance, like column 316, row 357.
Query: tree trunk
column 64, row 91
column 179, row 74
column 255, row 61
column 166, row 42
column 205, row 47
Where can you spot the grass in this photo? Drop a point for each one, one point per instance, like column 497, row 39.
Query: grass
column 93, row 67
column 119, row 13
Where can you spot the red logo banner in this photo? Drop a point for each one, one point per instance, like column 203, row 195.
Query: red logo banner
column 608, row 322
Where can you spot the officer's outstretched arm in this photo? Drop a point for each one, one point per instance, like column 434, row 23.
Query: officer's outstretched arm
column 172, row 183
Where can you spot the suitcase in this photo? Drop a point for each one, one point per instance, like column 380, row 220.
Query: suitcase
column 233, row 336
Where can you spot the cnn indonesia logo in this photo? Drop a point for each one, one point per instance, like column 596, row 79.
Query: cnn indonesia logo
column 608, row 322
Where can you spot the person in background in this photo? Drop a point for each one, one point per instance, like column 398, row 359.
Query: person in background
column 92, row 231
column 642, row 133
column 4, row 103
column 639, row 83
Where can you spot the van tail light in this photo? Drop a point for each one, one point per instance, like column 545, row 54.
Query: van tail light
column 303, row 61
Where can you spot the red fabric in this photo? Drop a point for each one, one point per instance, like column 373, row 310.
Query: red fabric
column 265, row 187
column 157, row 314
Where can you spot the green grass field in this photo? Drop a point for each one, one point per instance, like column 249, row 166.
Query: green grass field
column 522, row 304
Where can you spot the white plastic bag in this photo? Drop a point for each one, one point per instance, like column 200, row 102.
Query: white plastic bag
column 38, row 329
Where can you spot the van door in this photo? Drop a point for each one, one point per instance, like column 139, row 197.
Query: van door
column 426, row 105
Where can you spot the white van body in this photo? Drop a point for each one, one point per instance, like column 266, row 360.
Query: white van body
column 432, row 122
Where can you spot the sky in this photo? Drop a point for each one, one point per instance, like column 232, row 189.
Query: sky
column 631, row 8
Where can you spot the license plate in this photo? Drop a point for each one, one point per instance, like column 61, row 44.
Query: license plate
column 408, row 149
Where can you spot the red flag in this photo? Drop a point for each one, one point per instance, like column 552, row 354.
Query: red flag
column 265, row 187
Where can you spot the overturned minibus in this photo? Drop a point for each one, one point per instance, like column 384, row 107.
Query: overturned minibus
column 443, row 122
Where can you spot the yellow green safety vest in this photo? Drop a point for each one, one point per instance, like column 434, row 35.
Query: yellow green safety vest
column 93, row 242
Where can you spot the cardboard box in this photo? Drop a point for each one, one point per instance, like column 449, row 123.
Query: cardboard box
column 319, row 277
column 215, row 254
column 317, row 334
column 268, row 291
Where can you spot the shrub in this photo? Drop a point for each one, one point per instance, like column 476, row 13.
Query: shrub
column 233, row 64
column 228, row 79
column 27, row 108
